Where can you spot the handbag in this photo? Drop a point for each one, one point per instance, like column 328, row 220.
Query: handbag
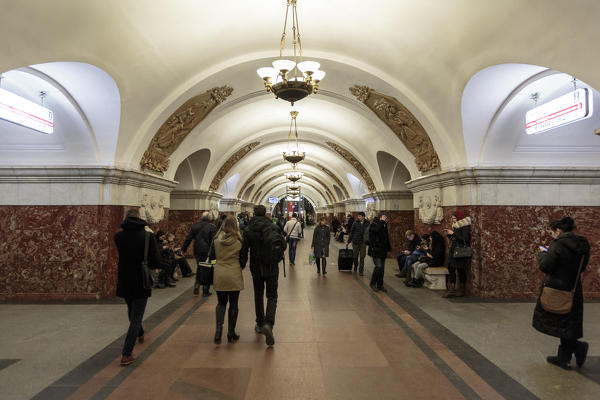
column 148, row 278
column 206, row 269
column 559, row 301
column 463, row 251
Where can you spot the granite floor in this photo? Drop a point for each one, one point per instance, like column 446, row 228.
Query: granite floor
column 335, row 339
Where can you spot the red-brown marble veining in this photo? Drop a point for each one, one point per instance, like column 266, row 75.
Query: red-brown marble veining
column 505, row 242
column 400, row 222
column 180, row 222
column 58, row 252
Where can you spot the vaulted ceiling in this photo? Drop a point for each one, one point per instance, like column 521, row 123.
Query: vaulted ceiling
column 463, row 68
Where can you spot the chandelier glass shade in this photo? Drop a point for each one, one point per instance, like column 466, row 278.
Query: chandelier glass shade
column 294, row 175
column 291, row 79
column 293, row 156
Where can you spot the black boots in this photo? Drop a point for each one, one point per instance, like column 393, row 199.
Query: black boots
column 562, row 359
column 196, row 289
column 231, row 322
column 218, row 333
column 581, row 353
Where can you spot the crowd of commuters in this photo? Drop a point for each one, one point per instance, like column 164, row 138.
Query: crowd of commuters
column 232, row 241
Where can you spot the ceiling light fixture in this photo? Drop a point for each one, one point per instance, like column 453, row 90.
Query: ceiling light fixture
column 293, row 156
column 291, row 80
column 294, row 175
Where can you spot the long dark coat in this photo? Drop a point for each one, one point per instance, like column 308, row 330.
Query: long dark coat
column 379, row 239
column 560, row 264
column 460, row 237
column 130, row 243
column 320, row 241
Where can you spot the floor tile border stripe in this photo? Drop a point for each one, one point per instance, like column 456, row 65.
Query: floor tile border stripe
column 499, row 380
column 80, row 375
column 109, row 387
column 439, row 363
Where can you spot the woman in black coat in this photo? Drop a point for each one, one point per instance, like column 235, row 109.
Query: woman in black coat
column 130, row 244
column 560, row 263
column 459, row 235
column 320, row 244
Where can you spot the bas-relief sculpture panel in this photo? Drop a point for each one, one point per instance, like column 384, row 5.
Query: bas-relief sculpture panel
column 152, row 209
column 430, row 206
column 173, row 131
column 403, row 123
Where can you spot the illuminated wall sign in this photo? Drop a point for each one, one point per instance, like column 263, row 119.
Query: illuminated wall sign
column 273, row 200
column 21, row 111
column 558, row 112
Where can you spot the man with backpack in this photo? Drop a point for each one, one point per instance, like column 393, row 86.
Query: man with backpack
column 266, row 244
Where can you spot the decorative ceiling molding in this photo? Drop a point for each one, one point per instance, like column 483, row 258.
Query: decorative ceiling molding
column 355, row 163
column 320, row 182
column 335, row 178
column 252, row 178
column 237, row 156
column 403, row 123
column 176, row 128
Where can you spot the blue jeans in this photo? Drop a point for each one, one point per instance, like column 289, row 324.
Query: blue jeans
column 377, row 276
column 135, row 311
column 410, row 260
column 292, row 253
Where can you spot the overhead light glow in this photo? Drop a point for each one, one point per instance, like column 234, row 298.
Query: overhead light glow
column 16, row 109
column 563, row 110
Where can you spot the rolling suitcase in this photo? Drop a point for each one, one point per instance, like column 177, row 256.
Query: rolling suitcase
column 345, row 259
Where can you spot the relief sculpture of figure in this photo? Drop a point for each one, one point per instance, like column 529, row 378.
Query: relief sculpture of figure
column 156, row 212
column 439, row 211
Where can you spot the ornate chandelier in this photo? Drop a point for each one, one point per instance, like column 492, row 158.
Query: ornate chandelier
column 293, row 156
column 294, row 175
column 291, row 80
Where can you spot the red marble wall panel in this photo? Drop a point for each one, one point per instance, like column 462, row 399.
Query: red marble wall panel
column 58, row 252
column 505, row 242
column 400, row 222
column 180, row 222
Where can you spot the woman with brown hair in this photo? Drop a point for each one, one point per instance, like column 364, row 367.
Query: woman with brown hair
column 563, row 262
column 231, row 255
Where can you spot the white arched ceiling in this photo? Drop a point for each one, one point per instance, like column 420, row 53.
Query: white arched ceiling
column 279, row 191
column 246, row 195
column 357, row 185
column 393, row 172
column 191, row 171
column 406, row 49
column 305, row 183
column 494, row 120
column 86, row 105
column 338, row 191
column 278, row 170
column 228, row 189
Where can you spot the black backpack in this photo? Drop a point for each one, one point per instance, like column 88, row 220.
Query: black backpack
column 272, row 247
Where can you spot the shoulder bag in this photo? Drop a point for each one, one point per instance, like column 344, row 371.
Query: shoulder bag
column 148, row 277
column 462, row 250
column 206, row 270
column 559, row 301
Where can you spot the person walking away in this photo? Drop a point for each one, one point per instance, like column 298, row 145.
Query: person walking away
column 202, row 234
column 231, row 255
column 131, row 245
column 320, row 245
column 379, row 246
column 357, row 238
column 335, row 225
column 459, row 235
column 293, row 231
column 567, row 255
column 266, row 244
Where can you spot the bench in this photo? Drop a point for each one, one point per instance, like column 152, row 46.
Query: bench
column 435, row 278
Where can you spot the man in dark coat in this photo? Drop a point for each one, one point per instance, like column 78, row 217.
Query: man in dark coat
column 359, row 247
column 130, row 244
column 320, row 245
column 560, row 263
column 202, row 233
column 379, row 246
column 264, row 275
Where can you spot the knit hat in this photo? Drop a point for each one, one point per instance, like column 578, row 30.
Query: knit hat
column 459, row 215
